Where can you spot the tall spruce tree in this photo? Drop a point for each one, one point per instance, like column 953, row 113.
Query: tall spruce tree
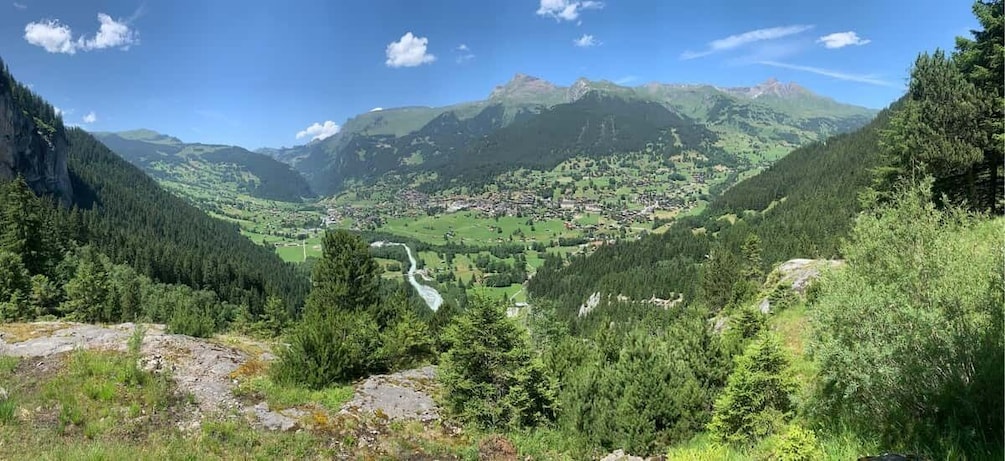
column 346, row 278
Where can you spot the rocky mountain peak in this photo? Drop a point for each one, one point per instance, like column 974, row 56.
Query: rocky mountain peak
column 522, row 85
column 771, row 87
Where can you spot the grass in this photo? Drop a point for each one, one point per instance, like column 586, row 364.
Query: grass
column 254, row 382
column 21, row 332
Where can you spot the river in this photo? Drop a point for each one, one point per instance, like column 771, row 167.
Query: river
column 426, row 292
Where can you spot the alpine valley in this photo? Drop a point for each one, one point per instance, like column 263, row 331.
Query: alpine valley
column 596, row 271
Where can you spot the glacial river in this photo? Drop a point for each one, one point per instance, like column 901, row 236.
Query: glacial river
column 428, row 293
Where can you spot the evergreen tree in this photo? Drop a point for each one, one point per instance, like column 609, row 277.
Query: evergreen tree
column 935, row 131
column 338, row 337
column 326, row 349
column 276, row 315
column 490, row 374
column 758, row 394
column 982, row 60
column 346, row 277
column 14, row 282
column 88, row 293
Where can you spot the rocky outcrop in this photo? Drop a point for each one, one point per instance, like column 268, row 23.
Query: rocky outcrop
column 795, row 275
column 33, row 150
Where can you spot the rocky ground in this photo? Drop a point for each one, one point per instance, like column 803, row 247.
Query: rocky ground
column 203, row 369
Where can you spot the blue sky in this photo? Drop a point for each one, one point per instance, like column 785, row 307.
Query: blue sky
column 256, row 73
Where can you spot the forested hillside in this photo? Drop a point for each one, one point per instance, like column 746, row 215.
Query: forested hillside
column 802, row 206
column 125, row 215
column 210, row 169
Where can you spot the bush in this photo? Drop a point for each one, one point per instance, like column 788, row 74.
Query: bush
column 406, row 342
column 190, row 320
column 797, row 444
column 908, row 337
column 328, row 348
column 757, row 398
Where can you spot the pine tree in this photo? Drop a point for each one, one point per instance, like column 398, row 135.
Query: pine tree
column 758, row 395
column 346, row 278
column 88, row 293
column 982, row 60
column 338, row 337
column 490, row 374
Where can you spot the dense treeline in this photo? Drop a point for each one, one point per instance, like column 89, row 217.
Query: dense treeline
column 131, row 219
column 126, row 216
column 47, row 272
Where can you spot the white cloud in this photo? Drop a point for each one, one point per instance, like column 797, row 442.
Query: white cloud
column 91, row 117
column 566, row 10
column 870, row 79
column 51, row 35
column 57, row 110
column 842, row 39
column 319, row 131
column 410, row 51
column 111, row 34
column 376, row 109
column 56, row 37
column 20, row 6
column 585, row 41
column 626, row 80
column 462, row 47
column 739, row 40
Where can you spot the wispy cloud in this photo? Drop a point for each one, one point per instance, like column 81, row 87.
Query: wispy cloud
column 319, row 131
column 626, row 80
column 409, row 51
column 56, row 37
column 20, row 6
column 860, row 78
column 739, row 40
column 842, row 39
column 89, row 118
column 586, row 41
column 463, row 53
column 566, row 10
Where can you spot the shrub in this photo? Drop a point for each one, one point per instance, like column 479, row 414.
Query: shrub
column 328, row 348
column 797, row 444
column 757, row 397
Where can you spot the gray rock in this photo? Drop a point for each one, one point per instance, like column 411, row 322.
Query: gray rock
column 765, row 306
column 399, row 396
column 274, row 421
column 32, row 151
column 619, row 455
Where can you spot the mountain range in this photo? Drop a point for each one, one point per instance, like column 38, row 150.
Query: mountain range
column 207, row 167
column 530, row 122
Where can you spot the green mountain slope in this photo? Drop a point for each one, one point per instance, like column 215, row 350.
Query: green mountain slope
column 802, row 206
column 758, row 124
column 127, row 216
column 210, row 169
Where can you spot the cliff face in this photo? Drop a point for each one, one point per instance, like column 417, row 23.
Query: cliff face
column 32, row 149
